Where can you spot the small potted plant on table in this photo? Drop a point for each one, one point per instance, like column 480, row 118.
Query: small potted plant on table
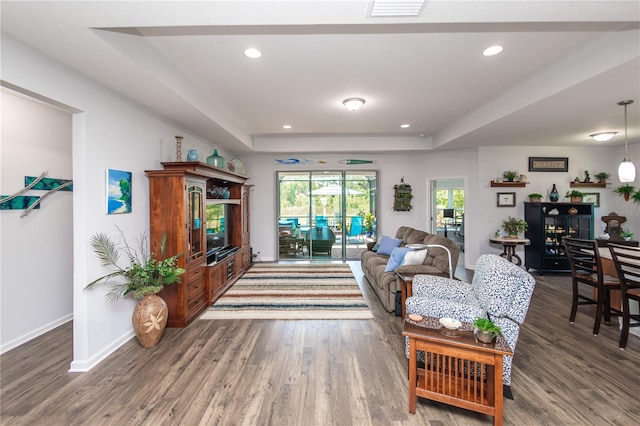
column 485, row 330
column 513, row 226
column 626, row 234
column 535, row 197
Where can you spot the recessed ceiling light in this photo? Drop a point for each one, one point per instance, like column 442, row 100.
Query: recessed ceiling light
column 405, row 126
column 252, row 53
column 493, row 50
column 286, row 126
column 603, row 136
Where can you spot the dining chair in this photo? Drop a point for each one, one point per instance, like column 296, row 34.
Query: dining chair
column 586, row 268
column 627, row 261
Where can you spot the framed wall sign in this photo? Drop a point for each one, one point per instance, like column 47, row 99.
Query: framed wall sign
column 506, row 199
column 548, row 164
column 591, row 197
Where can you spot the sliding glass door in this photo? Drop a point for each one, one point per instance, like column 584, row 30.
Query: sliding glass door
column 326, row 214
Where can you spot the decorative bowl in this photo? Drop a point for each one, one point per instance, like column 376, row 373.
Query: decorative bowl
column 450, row 323
column 415, row 317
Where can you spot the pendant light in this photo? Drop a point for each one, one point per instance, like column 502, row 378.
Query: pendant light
column 626, row 169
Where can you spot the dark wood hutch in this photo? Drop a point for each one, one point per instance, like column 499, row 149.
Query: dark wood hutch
column 178, row 196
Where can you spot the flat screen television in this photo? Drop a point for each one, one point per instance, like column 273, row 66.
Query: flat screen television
column 218, row 227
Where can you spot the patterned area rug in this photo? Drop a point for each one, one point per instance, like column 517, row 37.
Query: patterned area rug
column 292, row 291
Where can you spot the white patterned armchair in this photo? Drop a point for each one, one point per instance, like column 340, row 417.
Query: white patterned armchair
column 499, row 290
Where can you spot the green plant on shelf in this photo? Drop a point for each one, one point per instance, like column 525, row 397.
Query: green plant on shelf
column 602, row 176
column 510, row 175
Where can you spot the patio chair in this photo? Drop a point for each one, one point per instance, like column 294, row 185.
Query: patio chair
column 356, row 231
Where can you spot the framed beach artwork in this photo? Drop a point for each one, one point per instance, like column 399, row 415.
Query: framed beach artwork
column 118, row 191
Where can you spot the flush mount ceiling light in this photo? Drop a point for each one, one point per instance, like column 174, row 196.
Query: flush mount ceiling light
column 286, row 126
column 252, row 53
column 405, row 126
column 626, row 169
column 353, row 104
column 493, row 50
column 603, row 136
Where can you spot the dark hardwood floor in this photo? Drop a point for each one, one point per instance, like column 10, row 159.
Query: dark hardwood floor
column 267, row 372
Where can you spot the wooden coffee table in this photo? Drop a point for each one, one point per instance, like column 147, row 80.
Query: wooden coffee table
column 461, row 371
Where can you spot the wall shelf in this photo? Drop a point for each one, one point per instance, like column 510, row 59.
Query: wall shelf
column 508, row 184
column 588, row 185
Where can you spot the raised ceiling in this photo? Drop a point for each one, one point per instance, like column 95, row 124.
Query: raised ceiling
column 565, row 66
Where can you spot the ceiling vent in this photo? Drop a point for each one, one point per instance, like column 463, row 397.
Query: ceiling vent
column 396, row 7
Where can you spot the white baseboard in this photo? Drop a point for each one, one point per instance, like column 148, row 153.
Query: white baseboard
column 35, row 333
column 82, row 366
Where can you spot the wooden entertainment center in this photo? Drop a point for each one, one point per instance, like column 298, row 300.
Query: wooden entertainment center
column 178, row 196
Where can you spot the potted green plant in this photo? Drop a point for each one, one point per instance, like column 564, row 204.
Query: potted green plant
column 510, row 175
column 485, row 330
column 535, row 197
column 602, row 177
column 369, row 218
column 575, row 195
column 625, row 191
column 513, row 226
column 144, row 277
column 636, row 197
column 626, row 234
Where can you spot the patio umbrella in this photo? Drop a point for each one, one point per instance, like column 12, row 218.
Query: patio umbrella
column 334, row 190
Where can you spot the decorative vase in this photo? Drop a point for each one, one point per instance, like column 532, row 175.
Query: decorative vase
column 193, row 155
column 573, row 210
column 626, row 197
column 484, row 336
column 553, row 195
column 216, row 160
column 149, row 320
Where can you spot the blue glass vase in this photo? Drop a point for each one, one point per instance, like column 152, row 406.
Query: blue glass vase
column 193, row 155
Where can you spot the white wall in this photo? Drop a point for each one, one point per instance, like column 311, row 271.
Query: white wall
column 477, row 166
column 494, row 160
column 108, row 132
column 261, row 169
column 36, row 260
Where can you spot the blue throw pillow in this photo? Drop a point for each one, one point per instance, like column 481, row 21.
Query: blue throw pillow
column 397, row 256
column 387, row 244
